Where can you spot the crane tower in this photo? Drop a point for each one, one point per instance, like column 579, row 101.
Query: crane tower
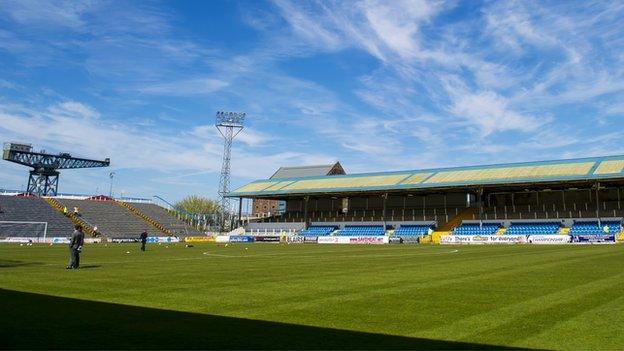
column 43, row 178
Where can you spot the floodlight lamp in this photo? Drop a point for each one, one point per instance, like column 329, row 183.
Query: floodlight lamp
column 233, row 119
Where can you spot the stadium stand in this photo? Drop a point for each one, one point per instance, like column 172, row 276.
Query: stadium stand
column 592, row 227
column 255, row 228
column 34, row 209
column 533, row 228
column 529, row 191
column 317, row 230
column 163, row 217
column 411, row 229
column 362, row 230
column 477, row 229
column 111, row 219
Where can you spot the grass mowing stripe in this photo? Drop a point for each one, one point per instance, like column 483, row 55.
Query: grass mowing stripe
column 544, row 318
column 605, row 330
column 492, row 319
column 406, row 290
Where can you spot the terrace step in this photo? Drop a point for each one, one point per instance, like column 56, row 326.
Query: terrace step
column 76, row 220
column 135, row 211
column 466, row 213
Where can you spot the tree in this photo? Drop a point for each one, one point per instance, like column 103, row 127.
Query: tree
column 198, row 205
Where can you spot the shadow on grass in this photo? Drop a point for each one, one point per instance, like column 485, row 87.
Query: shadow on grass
column 12, row 263
column 34, row 321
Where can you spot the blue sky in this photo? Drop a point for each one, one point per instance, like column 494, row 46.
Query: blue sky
column 378, row 85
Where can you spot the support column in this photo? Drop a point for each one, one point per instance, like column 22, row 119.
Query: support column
column 480, row 195
column 598, row 204
column 305, row 211
column 240, row 211
column 384, row 198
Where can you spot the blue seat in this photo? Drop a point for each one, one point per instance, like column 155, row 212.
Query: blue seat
column 317, row 231
column 477, row 229
column 411, row 229
column 533, row 228
column 362, row 230
column 595, row 228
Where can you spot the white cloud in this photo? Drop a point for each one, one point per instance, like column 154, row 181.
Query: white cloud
column 58, row 12
column 73, row 109
column 491, row 112
column 198, row 149
column 189, row 87
column 396, row 23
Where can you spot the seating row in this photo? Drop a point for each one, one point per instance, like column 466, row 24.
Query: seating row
column 533, row 228
column 477, row 228
column 595, row 228
column 317, row 230
column 540, row 228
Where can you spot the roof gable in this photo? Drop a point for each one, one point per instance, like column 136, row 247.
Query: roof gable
column 308, row 171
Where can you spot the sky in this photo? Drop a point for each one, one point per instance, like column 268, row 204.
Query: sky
column 376, row 85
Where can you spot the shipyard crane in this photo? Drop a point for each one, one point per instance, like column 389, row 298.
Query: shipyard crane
column 43, row 179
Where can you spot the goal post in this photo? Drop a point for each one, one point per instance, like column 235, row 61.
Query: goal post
column 23, row 231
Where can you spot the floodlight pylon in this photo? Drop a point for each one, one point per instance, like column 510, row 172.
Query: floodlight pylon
column 229, row 125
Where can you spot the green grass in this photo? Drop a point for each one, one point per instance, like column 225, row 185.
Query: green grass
column 313, row 296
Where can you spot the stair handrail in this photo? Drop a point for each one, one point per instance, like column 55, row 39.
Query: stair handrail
column 144, row 217
column 89, row 228
column 185, row 216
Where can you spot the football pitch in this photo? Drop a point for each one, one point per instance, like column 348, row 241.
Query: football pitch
column 303, row 296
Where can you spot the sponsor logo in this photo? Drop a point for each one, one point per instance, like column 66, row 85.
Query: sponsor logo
column 124, row 240
column 295, row 239
column 352, row 239
column 593, row 238
column 549, row 239
column 272, row 239
column 19, row 239
column 366, row 240
column 482, row 239
column 199, row 239
column 162, row 239
column 241, row 239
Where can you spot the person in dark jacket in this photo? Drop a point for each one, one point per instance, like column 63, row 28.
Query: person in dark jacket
column 75, row 247
column 143, row 239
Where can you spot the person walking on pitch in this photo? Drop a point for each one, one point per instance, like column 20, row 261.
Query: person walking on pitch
column 143, row 239
column 75, row 247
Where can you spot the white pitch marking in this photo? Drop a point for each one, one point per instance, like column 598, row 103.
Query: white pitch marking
column 269, row 255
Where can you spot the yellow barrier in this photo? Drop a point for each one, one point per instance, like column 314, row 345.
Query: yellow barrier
column 199, row 239
column 435, row 236
column 425, row 239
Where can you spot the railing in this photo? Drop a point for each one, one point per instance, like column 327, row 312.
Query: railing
column 10, row 192
column 137, row 200
column 194, row 220
column 86, row 226
column 143, row 216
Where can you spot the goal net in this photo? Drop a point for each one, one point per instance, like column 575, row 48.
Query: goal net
column 17, row 231
column 178, row 230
